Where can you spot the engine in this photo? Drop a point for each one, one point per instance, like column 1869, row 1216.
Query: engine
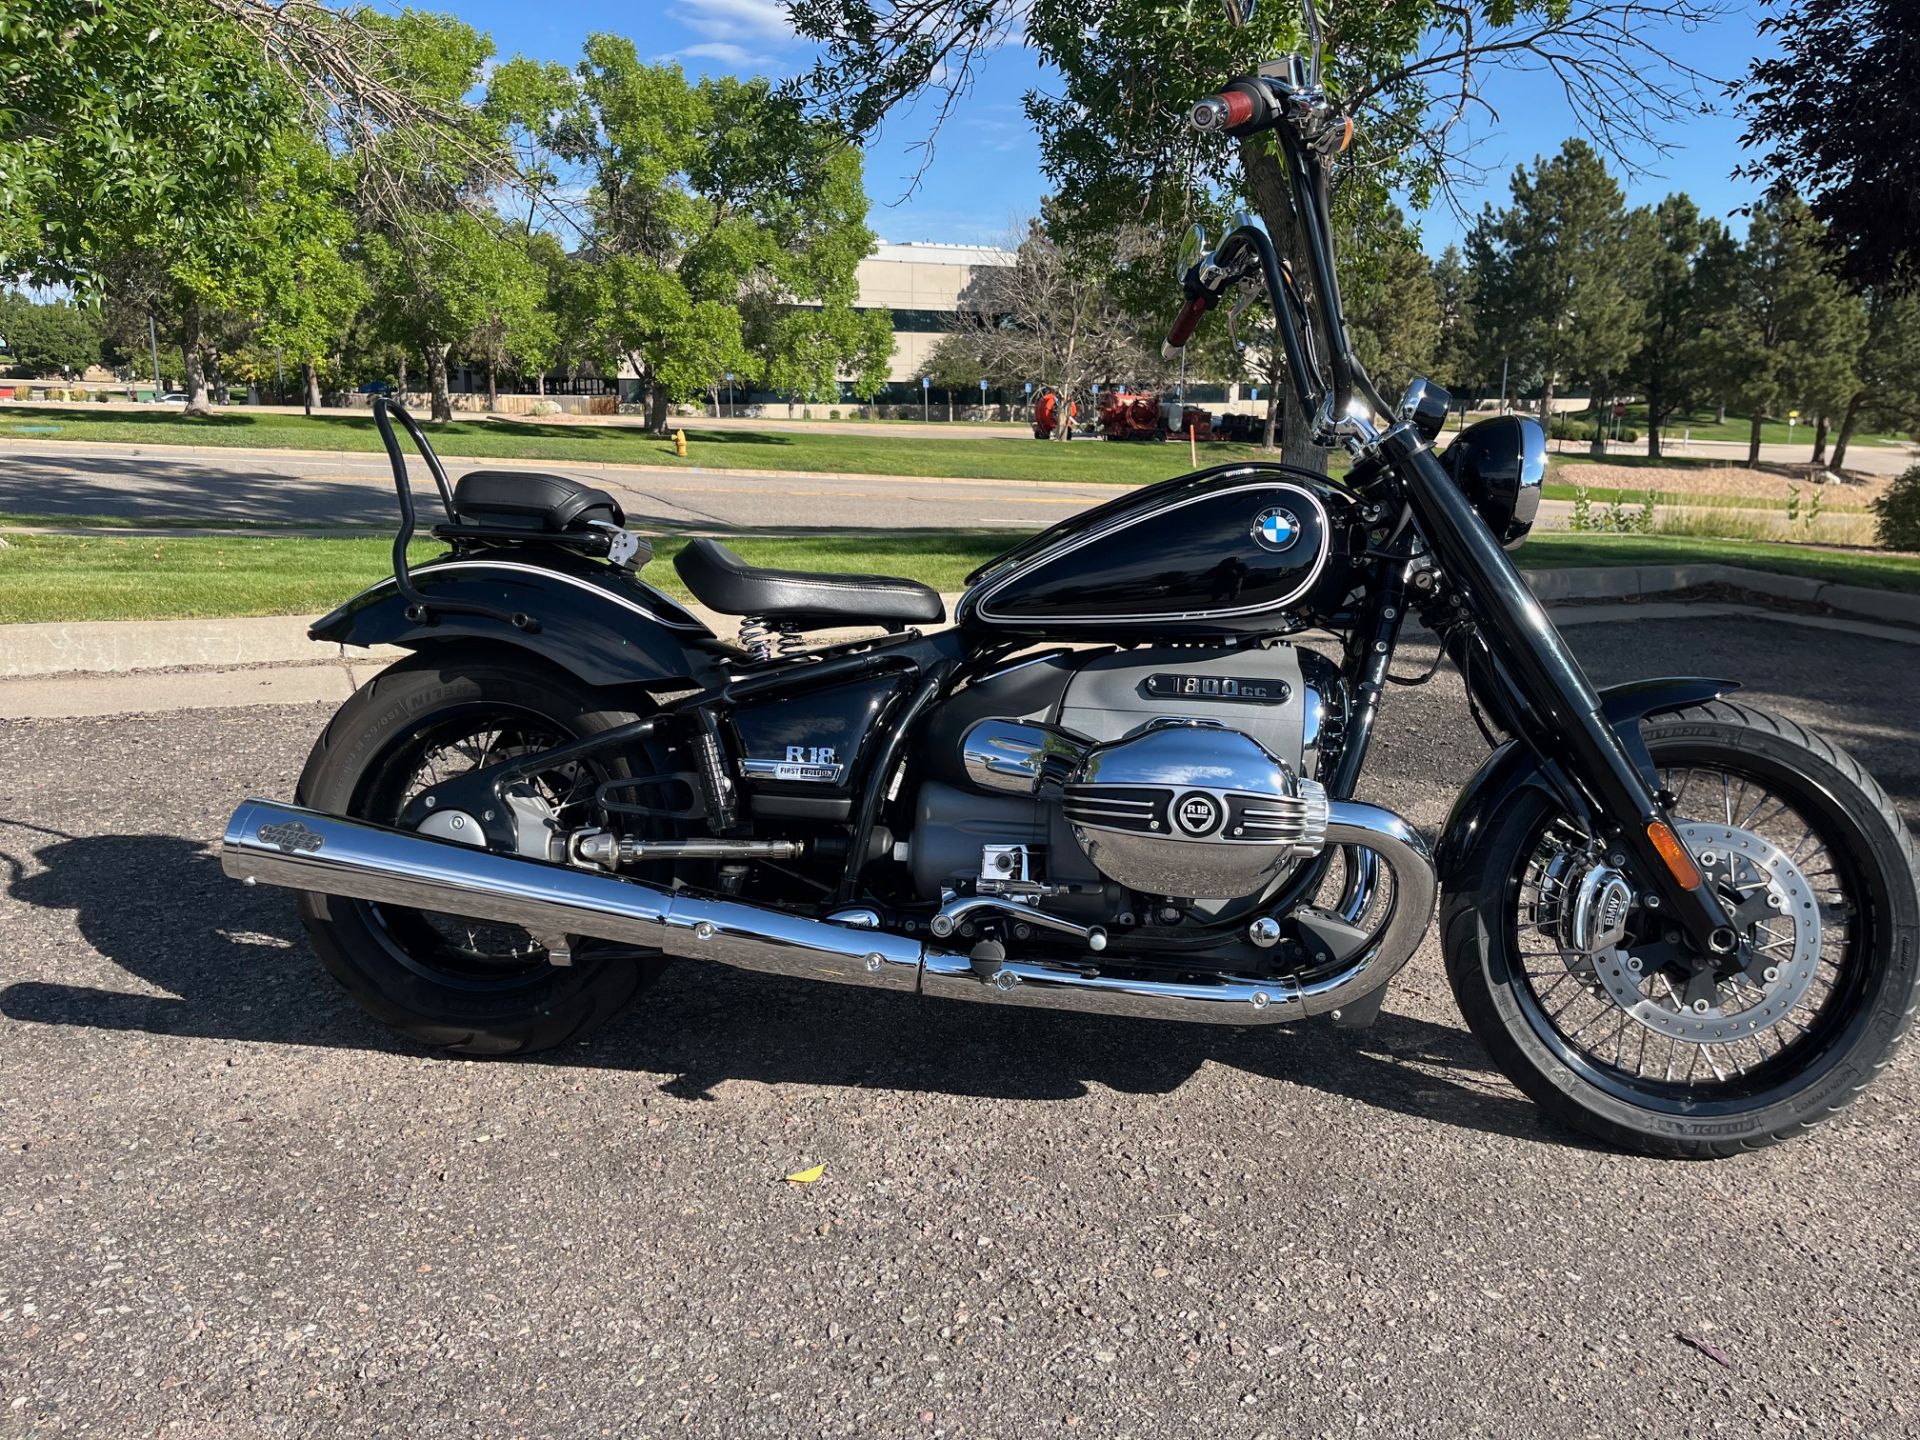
column 1176, row 775
column 1189, row 808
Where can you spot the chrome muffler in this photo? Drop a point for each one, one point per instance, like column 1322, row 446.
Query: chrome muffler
column 267, row 842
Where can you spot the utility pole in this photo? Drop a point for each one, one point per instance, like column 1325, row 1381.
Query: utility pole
column 1503, row 384
column 153, row 348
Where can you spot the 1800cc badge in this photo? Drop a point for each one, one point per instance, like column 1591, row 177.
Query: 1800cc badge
column 292, row 836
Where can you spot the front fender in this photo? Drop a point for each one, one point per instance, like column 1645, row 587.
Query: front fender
column 597, row 623
column 1513, row 767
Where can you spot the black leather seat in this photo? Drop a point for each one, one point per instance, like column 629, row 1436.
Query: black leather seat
column 526, row 500
column 723, row 581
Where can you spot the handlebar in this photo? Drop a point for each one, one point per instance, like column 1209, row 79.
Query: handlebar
column 1309, row 128
column 1188, row 320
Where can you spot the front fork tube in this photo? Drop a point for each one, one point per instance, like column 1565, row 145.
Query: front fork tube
column 1559, row 710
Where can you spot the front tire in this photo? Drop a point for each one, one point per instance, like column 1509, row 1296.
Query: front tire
column 1785, row 1074
column 467, row 989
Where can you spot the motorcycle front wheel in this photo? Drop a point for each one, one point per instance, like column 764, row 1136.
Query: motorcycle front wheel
column 1584, row 999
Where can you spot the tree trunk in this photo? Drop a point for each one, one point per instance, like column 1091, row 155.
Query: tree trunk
column 1273, row 416
column 196, row 371
column 1273, row 196
column 1602, row 414
column 1653, row 433
column 1820, row 439
column 949, row 407
column 1753, row 438
column 1720, row 415
column 1847, row 421
column 657, row 408
column 401, row 379
column 493, row 384
column 437, row 378
column 540, row 388
column 310, row 373
column 1546, row 401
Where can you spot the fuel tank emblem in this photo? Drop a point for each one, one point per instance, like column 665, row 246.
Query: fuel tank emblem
column 1276, row 529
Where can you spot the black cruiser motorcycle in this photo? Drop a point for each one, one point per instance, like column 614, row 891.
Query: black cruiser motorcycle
column 1117, row 785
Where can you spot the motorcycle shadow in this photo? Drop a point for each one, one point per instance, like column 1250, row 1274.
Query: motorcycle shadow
column 234, row 965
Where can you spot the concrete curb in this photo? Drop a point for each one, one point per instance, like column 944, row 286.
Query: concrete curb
column 1627, row 581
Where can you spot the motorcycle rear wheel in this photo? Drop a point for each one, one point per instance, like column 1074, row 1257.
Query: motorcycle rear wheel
column 1562, row 1031
column 449, row 983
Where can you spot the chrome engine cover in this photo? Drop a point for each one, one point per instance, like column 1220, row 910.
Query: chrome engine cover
column 1191, row 809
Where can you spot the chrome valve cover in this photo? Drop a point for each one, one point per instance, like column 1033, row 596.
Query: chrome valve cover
column 1189, row 808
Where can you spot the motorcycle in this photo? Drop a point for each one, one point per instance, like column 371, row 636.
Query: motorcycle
column 1118, row 784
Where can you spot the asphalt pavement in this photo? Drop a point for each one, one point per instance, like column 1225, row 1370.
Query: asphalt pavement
column 227, row 487
column 233, row 1207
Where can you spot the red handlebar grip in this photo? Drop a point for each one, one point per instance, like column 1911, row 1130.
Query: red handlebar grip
column 1188, row 321
column 1239, row 107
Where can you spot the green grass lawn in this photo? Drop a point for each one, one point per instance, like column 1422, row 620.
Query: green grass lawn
column 97, row 577
column 1011, row 458
column 1705, row 425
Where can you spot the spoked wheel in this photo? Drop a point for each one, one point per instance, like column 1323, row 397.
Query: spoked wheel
column 1589, row 1002
column 451, row 981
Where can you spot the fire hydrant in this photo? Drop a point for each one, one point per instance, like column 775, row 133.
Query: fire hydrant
column 680, row 443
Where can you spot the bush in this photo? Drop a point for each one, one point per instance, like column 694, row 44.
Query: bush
column 833, row 414
column 1897, row 512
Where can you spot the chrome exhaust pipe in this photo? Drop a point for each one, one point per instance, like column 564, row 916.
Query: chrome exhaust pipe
column 276, row 844
column 267, row 842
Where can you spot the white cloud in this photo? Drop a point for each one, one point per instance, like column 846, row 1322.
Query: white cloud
column 726, row 54
column 735, row 20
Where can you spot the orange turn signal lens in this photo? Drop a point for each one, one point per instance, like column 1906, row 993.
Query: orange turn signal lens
column 1347, row 139
column 1679, row 863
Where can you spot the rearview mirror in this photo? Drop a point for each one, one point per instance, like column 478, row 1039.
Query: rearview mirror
column 1192, row 246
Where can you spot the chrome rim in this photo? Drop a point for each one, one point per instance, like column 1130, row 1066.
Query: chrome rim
column 1628, row 1009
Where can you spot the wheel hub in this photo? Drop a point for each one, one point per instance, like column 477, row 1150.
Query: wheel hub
column 1777, row 919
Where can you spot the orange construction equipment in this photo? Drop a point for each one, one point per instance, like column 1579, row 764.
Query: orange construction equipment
column 1046, row 415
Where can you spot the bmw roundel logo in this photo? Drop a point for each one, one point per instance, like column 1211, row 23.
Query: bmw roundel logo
column 1276, row 529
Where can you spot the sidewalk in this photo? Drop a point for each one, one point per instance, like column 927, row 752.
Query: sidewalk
column 126, row 667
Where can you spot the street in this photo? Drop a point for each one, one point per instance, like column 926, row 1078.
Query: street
column 234, row 1207
column 150, row 482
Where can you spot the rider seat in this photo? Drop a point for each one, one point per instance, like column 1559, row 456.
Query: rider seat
column 527, row 500
column 721, row 580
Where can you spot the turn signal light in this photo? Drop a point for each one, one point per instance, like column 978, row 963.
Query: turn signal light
column 1679, row 863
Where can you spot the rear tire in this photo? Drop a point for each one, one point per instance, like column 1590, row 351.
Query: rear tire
column 1869, row 1011
column 378, row 958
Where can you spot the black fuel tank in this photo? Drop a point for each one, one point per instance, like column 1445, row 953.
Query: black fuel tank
column 1233, row 550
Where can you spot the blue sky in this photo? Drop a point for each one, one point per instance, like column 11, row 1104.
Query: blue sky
column 982, row 176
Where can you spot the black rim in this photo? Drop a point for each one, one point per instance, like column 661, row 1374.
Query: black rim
column 454, row 950
column 1588, row 1031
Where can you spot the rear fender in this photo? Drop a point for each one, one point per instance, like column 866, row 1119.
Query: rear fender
column 599, row 624
column 1513, row 767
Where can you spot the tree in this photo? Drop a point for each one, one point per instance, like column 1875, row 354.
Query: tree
column 1392, row 307
column 723, row 228
column 953, row 364
column 1888, row 371
column 1551, row 272
column 1684, row 262
column 1052, row 318
column 56, row 338
column 1794, row 330
column 1456, row 354
column 1110, row 136
column 509, row 297
column 1853, row 149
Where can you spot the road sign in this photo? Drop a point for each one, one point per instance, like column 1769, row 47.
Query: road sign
column 1619, row 409
column 925, row 381
column 983, row 388
column 1029, row 387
